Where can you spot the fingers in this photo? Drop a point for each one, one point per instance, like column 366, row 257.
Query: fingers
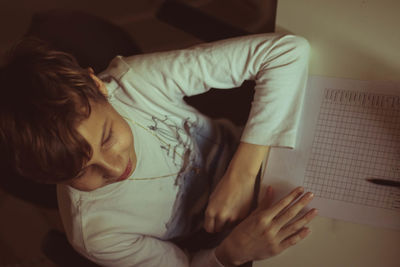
column 219, row 225
column 285, row 202
column 293, row 210
column 215, row 223
column 209, row 223
column 295, row 238
column 296, row 226
column 270, row 230
column 282, row 213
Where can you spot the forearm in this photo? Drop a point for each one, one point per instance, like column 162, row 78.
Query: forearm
column 232, row 197
column 246, row 162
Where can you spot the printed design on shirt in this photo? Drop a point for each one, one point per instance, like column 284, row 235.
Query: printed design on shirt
column 212, row 159
column 174, row 140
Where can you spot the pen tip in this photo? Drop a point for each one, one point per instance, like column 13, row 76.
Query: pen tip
column 371, row 180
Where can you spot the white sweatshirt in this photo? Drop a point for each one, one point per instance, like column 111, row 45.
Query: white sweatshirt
column 181, row 154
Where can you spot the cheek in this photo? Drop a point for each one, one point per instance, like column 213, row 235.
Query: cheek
column 125, row 135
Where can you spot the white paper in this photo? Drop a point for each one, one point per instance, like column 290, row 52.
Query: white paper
column 349, row 131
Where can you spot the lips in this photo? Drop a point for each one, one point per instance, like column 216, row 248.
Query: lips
column 126, row 173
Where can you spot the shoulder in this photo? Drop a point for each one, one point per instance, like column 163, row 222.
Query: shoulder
column 116, row 69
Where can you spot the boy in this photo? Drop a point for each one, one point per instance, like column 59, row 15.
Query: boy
column 137, row 168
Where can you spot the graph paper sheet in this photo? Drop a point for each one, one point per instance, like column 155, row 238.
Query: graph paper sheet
column 350, row 131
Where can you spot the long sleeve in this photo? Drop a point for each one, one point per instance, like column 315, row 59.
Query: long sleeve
column 116, row 249
column 278, row 64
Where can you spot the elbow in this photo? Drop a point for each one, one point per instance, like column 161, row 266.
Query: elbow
column 300, row 47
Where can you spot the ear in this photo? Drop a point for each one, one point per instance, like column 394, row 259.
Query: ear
column 102, row 87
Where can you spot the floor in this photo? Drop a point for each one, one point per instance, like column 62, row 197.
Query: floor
column 23, row 224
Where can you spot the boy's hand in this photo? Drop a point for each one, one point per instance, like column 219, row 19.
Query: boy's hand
column 231, row 199
column 267, row 231
column 230, row 202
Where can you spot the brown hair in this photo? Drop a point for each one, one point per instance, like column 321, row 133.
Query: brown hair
column 44, row 95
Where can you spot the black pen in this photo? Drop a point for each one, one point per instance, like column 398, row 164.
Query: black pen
column 384, row 182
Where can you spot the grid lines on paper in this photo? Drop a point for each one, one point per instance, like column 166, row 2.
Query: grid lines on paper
column 357, row 136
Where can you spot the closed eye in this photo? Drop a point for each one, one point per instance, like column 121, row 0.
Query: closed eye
column 109, row 136
column 81, row 173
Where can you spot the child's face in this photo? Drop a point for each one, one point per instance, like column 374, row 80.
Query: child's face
column 113, row 157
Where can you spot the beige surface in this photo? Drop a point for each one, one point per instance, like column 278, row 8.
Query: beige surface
column 349, row 39
column 334, row 243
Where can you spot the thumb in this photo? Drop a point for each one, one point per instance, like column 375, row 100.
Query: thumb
column 266, row 197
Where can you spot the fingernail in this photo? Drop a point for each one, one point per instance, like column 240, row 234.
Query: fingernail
column 299, row 191
column 310, row 195
column 314, row 212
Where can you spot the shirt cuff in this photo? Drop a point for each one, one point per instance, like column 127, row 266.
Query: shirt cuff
column 206, row 258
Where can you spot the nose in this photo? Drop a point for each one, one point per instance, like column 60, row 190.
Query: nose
column 110, row 164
